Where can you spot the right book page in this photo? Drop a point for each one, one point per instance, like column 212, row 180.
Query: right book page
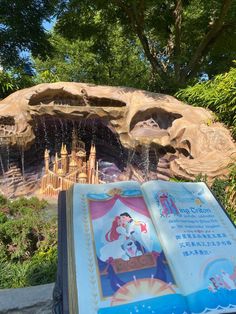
column 199, row 241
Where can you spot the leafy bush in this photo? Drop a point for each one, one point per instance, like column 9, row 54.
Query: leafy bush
column 231, row 194
column 7, row 84
column 225, row 192
column 219, row 95
column 14, row 79
column 43, row 267
column 28, row 250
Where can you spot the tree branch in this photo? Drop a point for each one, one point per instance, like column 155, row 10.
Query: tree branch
column 137, row 22
column 177, row 38
column 212, row 35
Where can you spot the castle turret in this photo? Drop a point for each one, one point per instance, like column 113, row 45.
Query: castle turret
column 80, row 158
column 64, row 159
column 92, row 162
column 73, row 165
column 46, row 160
column 55, row 164
column 83, row 177
column 60, row 172
column 96, row 174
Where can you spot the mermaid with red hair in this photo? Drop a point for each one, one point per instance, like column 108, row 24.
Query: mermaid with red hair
column 124, row 227
column 117, row 229
column 115, row 238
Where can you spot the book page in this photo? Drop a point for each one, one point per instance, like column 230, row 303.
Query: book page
column 120, row 266
column 199, row 241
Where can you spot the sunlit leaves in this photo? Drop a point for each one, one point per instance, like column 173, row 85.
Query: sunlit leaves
column 219, row 95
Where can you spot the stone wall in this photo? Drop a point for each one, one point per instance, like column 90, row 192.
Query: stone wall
column 37, row 300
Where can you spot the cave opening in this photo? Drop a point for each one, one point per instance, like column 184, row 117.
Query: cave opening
column 26, row 166
column 51, row 133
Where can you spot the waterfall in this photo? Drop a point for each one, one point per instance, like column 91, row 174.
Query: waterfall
column 23, row 162
column 57, row 136
column 2, row 166
column 8, row 155
column 46, row 134
column 145, row 161
column 62, row 131
column 94, row 130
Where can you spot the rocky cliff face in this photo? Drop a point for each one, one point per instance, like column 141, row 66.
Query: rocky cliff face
column 186, row 136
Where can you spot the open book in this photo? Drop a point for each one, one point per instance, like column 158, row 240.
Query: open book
column 162, row 247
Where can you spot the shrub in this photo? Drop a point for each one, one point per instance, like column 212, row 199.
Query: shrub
column 225, row 192
column 27, row 243
column 218, row 94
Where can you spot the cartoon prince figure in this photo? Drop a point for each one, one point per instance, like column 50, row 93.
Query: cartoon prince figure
column 126, row 238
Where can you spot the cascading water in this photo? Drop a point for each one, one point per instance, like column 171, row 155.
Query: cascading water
column 23, row 162
column 2, row 166
column 45, row 134
column 115, row 162
column 57, row 140
column 8, row 155
column 145, row 161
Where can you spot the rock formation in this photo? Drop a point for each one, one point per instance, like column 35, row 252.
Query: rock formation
column 187, row 137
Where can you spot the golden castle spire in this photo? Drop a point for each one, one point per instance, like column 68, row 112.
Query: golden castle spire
column 56, row 163
column 46, row 160
column 91, row 164
column 46, row 153
column 96, row 176
column 93, row 149
column 64, row 159
column 63, row 149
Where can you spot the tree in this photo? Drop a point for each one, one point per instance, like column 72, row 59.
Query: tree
column 21, row 29
column 7, row 84
column 180, row 38
column 12, row 80
column 114, row 62
column 218, row 94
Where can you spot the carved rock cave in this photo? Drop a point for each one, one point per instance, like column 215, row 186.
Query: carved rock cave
column 138, row 135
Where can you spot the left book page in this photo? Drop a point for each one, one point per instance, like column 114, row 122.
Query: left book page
column 118, row 262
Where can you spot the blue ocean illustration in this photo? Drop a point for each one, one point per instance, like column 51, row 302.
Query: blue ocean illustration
column 200, row 302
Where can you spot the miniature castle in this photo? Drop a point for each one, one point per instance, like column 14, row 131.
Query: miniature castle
column 69, row 168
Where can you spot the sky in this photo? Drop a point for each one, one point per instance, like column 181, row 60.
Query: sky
column 48, row 25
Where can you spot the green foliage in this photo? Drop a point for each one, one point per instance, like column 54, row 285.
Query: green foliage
column 13, row 275
column 45, row 76
column 225, row 191
column 180, row 39
column 43, row 267
column 218, row 95
column 13, row 80
column 221, row 190
column 3, row 200
column 115, row 62
column 28, row 253
column 231, row 191
column 7, row 84
column 22, row 29
column 219, row 187
column 3, row 218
